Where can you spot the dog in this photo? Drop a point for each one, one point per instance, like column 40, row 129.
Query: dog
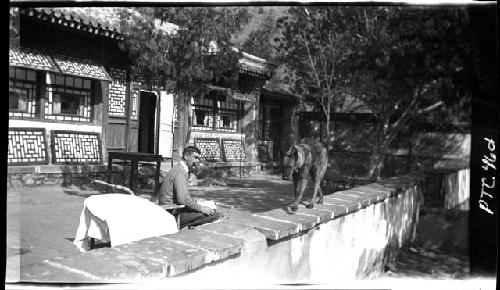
column 310, row 158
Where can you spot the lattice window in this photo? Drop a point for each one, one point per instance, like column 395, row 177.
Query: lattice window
column 68, row 98
column 233, row 150
column 209, row 147
column 117, row 92
column 227, row 114
column 202, row 112
column 22, row 91
column 215, row 112
column 76, row 147
column 27, row 146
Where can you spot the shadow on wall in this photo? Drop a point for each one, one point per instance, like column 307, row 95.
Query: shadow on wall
column 405, row 216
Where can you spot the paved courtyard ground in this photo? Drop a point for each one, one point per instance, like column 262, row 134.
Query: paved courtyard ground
column 42, row 221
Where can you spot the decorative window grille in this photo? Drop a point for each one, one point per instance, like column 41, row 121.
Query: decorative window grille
column 22, row 91
column 117, row 92
column 70, row 147
column 27, row 146
column 134, row 103
column 210, row 148
column 68, row 98
column 234, row 150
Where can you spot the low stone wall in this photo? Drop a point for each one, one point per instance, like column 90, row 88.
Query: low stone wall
column 351, row 236
column 355, row 242
column 33, row 175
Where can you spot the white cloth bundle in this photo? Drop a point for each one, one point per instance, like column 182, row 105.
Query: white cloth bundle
column 121, row 219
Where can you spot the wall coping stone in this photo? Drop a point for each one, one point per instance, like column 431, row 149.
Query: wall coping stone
column 272, row 229
column 187, row 250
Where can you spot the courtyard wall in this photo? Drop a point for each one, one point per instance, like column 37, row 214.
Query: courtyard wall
column 351, row 236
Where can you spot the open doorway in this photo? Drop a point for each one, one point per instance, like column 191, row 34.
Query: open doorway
column 147, row 114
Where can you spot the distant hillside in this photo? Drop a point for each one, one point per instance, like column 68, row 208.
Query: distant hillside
column 257, row 16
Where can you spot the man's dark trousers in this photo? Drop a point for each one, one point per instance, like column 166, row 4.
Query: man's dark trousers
column 193, row 218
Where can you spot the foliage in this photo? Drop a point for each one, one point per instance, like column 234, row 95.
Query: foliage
column 14, row 22
column 409, row 64
column 189, row 46
column 314, row 43
column 399, row 63
column 185, row 47
column 260, row 41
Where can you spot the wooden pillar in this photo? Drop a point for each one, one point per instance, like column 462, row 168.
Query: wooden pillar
column 181, row 131
column 250, row 128
column 101, row 113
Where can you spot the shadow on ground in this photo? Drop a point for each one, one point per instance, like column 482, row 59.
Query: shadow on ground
column 441, row 249
column 250, row 194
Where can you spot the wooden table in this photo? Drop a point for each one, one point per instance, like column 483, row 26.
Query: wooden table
column 134, row 158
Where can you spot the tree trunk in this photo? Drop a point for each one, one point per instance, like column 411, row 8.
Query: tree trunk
column 184, row 130
column 327, row 141
column 377, row 158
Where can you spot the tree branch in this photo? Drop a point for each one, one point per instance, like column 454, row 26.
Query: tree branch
column 394, row 128
column 430, row 108
column 313, row 66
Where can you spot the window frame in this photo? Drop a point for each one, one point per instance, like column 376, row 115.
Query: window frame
column 26, row 90
column 31, row 86
column 85, row 93
column 216, row 111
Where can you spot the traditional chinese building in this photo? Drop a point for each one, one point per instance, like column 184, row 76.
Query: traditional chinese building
column 252, row 125
column 68, row 86
column 72, row 100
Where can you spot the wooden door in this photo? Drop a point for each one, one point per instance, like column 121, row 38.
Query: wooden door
column 147, row 117
column 275, row 127
column 166, row 120
column 133, row 120
column 122, row 125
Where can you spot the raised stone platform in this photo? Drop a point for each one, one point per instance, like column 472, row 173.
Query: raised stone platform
column 363, row 226
column 50, row 174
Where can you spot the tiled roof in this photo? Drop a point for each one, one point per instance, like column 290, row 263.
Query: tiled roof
column 255, row 66
column 102, row 21
column 31, row 58
column 80, row 67
column 43, row 60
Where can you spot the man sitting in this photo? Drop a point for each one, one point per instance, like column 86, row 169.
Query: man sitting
column 174, row 189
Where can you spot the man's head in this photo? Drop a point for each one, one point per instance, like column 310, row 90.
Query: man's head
column 191, row 155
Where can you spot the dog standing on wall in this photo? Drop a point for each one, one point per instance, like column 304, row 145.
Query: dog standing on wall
column 310, row 158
